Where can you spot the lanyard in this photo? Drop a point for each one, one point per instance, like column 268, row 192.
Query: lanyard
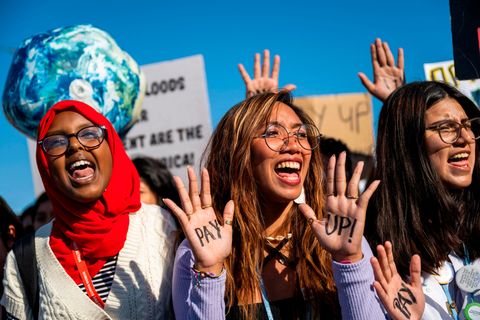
column 266, row 303
column 86, row 278
column 451, row 306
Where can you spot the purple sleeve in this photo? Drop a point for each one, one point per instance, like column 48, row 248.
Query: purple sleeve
column 356, row 294
column 192, row 299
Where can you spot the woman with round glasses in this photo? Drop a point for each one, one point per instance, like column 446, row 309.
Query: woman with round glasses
column 106, row 255
column 428, row 204
column 275, row 259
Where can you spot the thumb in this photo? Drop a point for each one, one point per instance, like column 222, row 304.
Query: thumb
column 289, row 87
column 415, row 271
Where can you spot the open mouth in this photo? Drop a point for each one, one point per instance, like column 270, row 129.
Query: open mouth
column 289, row 171
column 459, row 159
column 81, row 171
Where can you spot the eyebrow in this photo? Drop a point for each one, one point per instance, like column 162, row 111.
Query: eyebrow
column 294, row 126
column 447, row 121
column 78, row 128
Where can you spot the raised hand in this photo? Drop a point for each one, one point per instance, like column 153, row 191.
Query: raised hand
column 263, row 81
column 401, row 300
column 210, row 239
column 386, row 75
column 340, row 231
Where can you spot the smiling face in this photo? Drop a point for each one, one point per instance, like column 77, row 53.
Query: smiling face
column 280, row 175
column 452, row 162
column 81, row 174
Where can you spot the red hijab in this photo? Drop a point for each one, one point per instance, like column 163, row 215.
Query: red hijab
column 99, row 228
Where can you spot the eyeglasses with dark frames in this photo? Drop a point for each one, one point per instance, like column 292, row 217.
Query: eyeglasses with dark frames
column 450, row 131
column 89, row 137
column 277, row 136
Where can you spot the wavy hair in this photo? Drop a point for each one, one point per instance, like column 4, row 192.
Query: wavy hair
column 229, row 162
column 412, row 207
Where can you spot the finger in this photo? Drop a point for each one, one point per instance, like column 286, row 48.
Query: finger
column 266, row 63
column 331, row 175
column 378, row 272
column 244, row 73
column 228, row 215
column 193, row 189
column 289, row 87
column 366, row 82
column 382, row 58
column 276, row 68
column 373, row 55
column 256, row 66
column 388, row 54
column 311, row 217
column 382, row 294
column 205, row 196
column 183, row 194
column 383, row 261
column 367, row 194
column 340, row 180
column 177, row 211
column 400, row 62
column 391, row 261
column 352, row 190
column 416, row 271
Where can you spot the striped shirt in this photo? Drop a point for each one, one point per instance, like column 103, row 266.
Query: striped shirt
column 102, row 282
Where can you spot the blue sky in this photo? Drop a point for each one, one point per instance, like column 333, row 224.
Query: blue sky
column 323, row 44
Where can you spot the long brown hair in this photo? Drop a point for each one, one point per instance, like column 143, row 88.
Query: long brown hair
column 228, row 160
column 412, row 207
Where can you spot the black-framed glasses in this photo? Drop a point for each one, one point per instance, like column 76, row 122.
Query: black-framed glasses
column 89, row 137
column 277, row 136
column 450, row 131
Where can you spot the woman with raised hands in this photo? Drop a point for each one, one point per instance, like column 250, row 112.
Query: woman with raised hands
column 428, row 203
column 249, row 253
column 105, row 255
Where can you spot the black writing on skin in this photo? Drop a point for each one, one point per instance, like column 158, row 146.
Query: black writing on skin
column 340, row 224
column 404, row 299
column 206, row 233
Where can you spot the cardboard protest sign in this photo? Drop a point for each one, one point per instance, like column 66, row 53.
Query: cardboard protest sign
column 175, row 122
column 347, row 117
column 445, row 71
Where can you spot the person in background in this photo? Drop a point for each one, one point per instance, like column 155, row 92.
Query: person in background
column 10, row 230
column 387, row 76
column 43, row 212
column 156, row 181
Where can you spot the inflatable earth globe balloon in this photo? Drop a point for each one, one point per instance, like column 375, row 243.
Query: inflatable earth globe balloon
column 75, row 63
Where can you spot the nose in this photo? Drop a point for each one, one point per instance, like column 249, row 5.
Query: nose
column 466, row 134
column 73, row 143
column 292, row 145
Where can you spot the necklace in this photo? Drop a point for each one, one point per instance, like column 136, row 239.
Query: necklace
column 279, row 238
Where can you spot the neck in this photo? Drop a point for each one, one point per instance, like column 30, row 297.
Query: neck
column 275, row 216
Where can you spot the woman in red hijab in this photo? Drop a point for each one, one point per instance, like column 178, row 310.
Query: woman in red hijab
column 106, row 255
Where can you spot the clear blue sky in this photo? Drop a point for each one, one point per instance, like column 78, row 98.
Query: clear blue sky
column 323, row 44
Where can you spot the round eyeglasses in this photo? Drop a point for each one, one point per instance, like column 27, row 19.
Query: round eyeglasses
column 450, row 131
column 277, row 136
column 89, row 137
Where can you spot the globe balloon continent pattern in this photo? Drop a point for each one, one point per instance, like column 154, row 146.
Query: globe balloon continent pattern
column 73, row 63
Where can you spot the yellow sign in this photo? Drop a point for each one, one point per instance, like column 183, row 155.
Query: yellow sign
column 347, row 117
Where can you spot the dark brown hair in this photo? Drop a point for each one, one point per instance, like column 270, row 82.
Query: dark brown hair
column 412, row 207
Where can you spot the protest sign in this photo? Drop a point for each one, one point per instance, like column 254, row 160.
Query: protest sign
column 445, row 71
column 347, row 117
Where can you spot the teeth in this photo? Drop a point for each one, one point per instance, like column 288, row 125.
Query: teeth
column 288, row 164
column 460, row 155
column 79, row 163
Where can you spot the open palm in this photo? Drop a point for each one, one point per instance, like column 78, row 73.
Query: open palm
column 340, row 231
column 209, row 238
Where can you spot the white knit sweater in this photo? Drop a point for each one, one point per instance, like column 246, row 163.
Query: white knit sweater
column 141, row 288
